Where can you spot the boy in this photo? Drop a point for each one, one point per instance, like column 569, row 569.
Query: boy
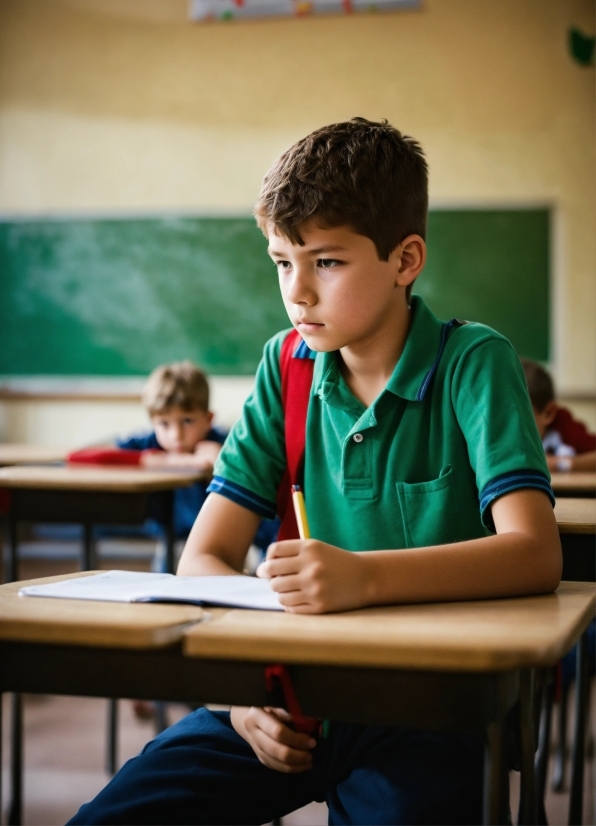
column 568, row 444
column 176, row 398
column 410, row 445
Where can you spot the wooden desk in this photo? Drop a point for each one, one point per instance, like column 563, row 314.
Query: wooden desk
column 480, row 636
column 576, row 519
column 66, row 634
column 576, row 516
column 23, row 454
column 83, row 622
column 90, row 495
column 421, row 666
column 450, row 666
column 574, row 484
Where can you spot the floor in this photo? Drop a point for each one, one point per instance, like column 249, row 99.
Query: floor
column 65, row 736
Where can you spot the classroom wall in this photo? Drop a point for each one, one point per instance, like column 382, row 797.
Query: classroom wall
column 124, row 107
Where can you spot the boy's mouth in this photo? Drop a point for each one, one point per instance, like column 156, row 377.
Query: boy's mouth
column 308, row 326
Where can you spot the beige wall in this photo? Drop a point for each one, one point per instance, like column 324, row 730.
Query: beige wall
column 124, row 106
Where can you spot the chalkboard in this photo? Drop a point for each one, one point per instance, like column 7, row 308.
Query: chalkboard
column 117, row 297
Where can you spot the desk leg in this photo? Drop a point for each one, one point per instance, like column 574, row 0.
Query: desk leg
column 12, row 573
column 527, row 802
column 112, row 738
column 541, row 761
column 16, row 762
column 1, row 703
column 496, row 777
column 15, row 808
column 87, row 562
column 170, row 534
column 579, row 735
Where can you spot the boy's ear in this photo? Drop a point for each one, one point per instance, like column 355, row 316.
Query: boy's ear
column 549, row 412
column 410, row 258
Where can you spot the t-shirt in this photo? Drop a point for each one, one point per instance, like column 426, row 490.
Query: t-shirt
column 187, row 501
column 452, row 431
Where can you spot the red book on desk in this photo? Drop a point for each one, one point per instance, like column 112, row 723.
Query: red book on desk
column 105, row 456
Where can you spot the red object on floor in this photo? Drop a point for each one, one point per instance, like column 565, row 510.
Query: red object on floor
column 279, row 673
column 105, row 456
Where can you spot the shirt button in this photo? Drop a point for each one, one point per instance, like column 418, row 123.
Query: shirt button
column 358, row 437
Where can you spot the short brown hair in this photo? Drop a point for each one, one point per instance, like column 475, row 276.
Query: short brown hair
column 540, row 384
column 181, row 385
column 361, row 173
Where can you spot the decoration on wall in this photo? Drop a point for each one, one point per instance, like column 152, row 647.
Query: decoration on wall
column 208, row 10
column 581, row 47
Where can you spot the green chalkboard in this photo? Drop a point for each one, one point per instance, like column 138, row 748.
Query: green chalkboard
column 117, row 297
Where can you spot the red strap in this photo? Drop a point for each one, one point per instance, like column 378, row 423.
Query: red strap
column 296, row 382
column 279, row 673
column 105, row 456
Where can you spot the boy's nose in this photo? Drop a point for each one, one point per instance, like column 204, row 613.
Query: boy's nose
column 299, row 290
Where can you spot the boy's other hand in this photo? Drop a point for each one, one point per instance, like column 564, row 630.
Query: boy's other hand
column 267, row 731
column 205, row 454
column 312, row 577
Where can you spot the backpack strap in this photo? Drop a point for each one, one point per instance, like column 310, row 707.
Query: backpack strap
column 296, row 382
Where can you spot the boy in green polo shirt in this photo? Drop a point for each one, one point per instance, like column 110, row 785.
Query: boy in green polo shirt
column 424, row 479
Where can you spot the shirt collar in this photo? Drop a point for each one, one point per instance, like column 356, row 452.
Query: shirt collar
column 417, row 364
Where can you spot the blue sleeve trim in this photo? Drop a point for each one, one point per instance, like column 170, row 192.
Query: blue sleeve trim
column 508, row 482
column 243, row 496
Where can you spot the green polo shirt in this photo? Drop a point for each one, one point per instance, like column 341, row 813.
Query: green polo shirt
column 452, row 431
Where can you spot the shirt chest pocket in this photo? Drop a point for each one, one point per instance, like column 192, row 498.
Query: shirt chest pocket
column 429, row 511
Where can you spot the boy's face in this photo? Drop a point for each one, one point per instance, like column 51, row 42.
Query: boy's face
column 336, row 291
column 179, row 431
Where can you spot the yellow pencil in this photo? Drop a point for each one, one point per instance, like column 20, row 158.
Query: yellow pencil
column 300, row 511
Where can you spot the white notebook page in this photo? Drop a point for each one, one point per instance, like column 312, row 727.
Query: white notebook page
column 131, row 586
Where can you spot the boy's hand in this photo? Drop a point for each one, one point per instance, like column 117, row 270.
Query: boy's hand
column 276, row 745
column 312, row 577
column 205, row 454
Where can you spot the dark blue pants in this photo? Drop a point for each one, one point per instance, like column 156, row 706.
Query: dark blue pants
column 201, row 771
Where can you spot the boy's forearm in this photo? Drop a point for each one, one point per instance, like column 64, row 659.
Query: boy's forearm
column 495, row 566
column 204, row 564
column 219, row 539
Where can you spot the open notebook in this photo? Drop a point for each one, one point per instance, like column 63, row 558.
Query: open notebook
column 130, row 586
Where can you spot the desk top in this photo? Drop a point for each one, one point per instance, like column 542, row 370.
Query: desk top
column 573, row 483
column 491, row 635
column 22, row 454
column 576, row 515
column 96, row 478
column 82, row 622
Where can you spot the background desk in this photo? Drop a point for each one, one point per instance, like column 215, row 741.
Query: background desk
column 22, row 454
column 574, row 484
column 458, row 666
column 576, row 520
column 90, row 495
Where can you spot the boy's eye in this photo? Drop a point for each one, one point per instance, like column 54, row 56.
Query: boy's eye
column 328, row 263
column 282, row 265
